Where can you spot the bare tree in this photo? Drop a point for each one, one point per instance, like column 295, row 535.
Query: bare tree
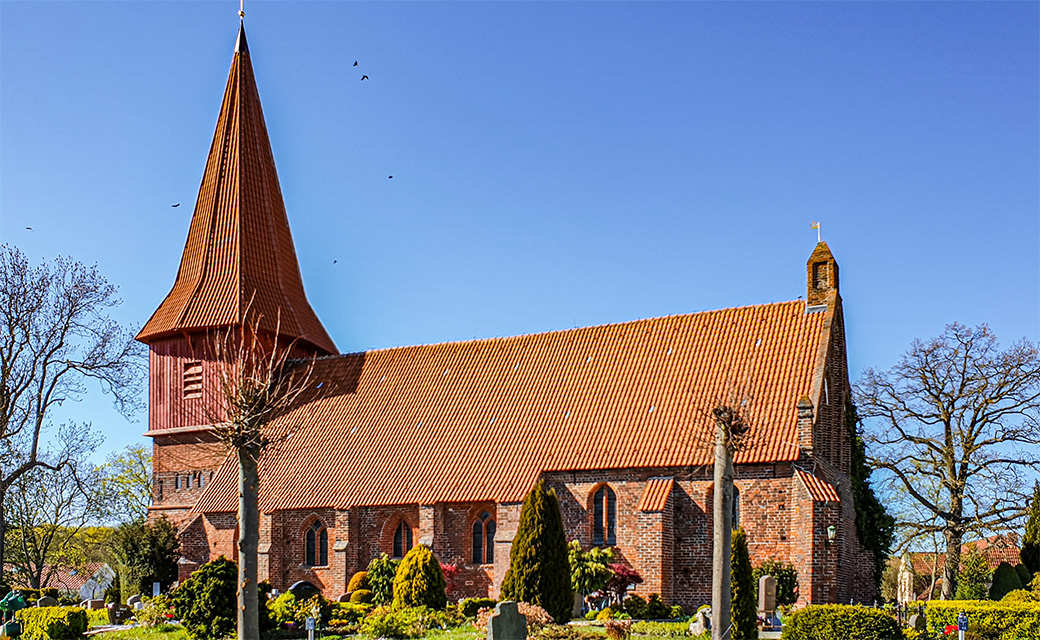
column 954, row 429
column 47, row 508
column 258, row 382
column 730, row 433
column 55, row 337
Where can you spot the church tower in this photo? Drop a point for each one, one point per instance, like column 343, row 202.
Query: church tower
column 239, row 267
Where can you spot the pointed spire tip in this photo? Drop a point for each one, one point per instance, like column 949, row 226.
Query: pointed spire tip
column 240, row 44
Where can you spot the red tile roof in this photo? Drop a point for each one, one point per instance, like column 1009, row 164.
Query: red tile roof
column 239, row 256
column 481, row 420
column 996, row 549
column 63, row 578
column 655, row 495
column 819, row 489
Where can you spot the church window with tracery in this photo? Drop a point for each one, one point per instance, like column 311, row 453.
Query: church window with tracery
column 484, row 539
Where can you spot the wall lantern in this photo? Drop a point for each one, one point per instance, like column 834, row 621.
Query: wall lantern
column 832, row 533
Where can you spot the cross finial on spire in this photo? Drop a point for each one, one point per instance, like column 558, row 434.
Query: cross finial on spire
column 816, row 225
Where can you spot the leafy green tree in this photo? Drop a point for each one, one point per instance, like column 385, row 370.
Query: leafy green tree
column 145, row 553
column 975, row 575
column 381, row 572
column 1005, row 580
column 590, row 570
column 539, row 571
column 206, row 602
column 128, row 483
column 419, row 581
column 742, row 590
column 786, row 577
column 1031, row 541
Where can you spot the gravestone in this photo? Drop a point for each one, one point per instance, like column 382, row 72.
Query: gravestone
column 138, row 606
column 701, row 622
column 766, row 594
column 93, row 604
column 344, row 598
column 117, row 613
column 918, row 622
column 46, row 601
column 507, row 623
column 132, row 600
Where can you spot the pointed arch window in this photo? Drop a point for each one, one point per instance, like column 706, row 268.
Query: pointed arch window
column 402, row 539
column 316, row 553
column 484, row 539
column 604, row 517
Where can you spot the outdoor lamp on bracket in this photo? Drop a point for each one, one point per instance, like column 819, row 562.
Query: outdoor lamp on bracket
column 832, row 533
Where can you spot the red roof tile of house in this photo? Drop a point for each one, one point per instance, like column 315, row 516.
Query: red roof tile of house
column 482, row 420
column 655, row 495
column 63, row 578
column 996, row 549
column 819, row 489
column 239, row 258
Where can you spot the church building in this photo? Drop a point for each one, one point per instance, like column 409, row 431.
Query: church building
column 438, row 444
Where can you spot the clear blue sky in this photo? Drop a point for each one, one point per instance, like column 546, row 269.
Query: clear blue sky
column 555, row 164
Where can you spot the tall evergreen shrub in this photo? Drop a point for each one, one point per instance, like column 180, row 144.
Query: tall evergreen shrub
column 381, row 572
column 974, row 576
column 742, row 590
column 205, row 602
column 1031, row 541
column 539, row 570
column 419, row 581
column 1005, row 580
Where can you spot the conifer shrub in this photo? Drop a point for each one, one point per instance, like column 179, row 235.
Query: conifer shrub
column 1005, row 580
column 742, row 590
column 1019, row 595
column 206, row 601
column 539, row 569
column 52, row 623
column 636, row 607
column 1023, row 575
column 974, row 576
column 419, row 581
column 841, row 622
column 362, row 596
column 358, row 581
column 656, row 609
column 1030, row 554
column 381, row 572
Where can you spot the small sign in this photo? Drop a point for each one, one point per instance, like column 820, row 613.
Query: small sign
column 156, row 589
column 309, row 624
column 962, row 622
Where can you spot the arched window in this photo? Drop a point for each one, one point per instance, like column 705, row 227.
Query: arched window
column 316, row 553
column 484, row 539
column 604, row 516
column 736, row 507
column 402, row 539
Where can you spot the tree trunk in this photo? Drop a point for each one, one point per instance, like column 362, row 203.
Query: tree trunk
column 723, row 535
column 248, row 543
column 3, row 528
column 954, row 538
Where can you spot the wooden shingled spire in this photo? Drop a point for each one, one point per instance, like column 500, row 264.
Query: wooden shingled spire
column 239, row 256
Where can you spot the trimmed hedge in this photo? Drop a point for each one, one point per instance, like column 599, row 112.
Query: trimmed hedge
column 362, row 596
column 997, row 620
column 358, row 581
column 841, row 622
column 53, row 623
column 471, row 606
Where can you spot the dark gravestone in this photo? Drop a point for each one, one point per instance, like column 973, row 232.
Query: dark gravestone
column 507, row 623
column 46, row 601
column 304, row 590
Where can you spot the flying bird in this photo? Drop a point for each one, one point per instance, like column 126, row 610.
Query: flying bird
column 29, row 228
column 175, row 205
column 355, row 63
column 364, row 78
column 389, row 177
column 335, row 261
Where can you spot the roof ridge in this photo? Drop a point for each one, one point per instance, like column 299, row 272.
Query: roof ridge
column 560, row 331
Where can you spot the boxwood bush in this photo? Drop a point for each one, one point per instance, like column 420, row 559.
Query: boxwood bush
column 841, row 622
column 992, row 620
column 52, row 623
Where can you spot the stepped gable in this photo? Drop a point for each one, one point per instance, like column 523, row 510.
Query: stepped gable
column 239, row 259
column 480, row 420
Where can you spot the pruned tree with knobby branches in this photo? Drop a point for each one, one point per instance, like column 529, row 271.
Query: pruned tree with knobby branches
column 954, row 429
column 258, row 382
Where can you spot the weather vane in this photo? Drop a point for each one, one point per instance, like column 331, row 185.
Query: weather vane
column 242, row 9
column 816, row 225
